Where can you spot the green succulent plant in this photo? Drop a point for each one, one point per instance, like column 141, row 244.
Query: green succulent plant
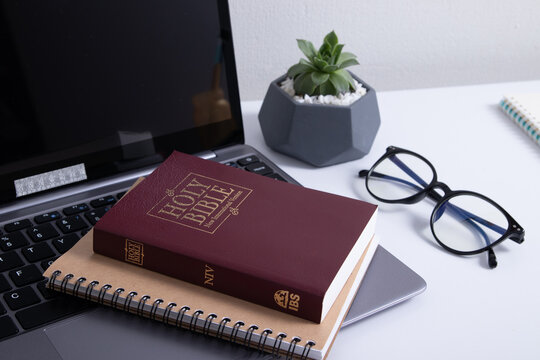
column 323, row 73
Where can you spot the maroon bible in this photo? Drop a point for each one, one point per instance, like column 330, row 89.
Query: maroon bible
column 275, row 244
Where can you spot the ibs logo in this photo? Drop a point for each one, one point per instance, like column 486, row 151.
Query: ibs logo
column 287, row 300
column 134, row 252
column 200, row 203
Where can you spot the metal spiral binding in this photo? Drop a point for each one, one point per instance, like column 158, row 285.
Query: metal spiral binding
column 249, row 333
column 194, row 318
column 180, row 319
column 290, row 352
column 78, row 285
column 167, row 313
column 140, row 306
column 128, row 300
column 279, row 338
column 264, row 335
column 155, row 307
column 115, row 296
column 234, row 332
column 308, row 347
column 55, row 274
column 89, row 289
column 207, row 324
column 64, row 283
column 221, row 327
column 102, row 292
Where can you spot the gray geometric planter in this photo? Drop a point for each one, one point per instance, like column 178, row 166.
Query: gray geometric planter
column 318, row 134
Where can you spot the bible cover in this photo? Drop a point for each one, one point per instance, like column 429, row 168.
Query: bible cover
column 272, row 243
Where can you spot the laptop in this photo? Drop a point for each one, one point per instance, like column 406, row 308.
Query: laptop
column 94, row 95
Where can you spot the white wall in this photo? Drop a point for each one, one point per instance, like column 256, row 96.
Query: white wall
column 399, row 44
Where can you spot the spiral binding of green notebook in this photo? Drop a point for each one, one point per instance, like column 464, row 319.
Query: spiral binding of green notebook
column 524, row 109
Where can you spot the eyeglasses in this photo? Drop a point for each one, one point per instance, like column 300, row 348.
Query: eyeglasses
column 463, row 222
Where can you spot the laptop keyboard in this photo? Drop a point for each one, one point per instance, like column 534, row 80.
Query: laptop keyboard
column 29, row 246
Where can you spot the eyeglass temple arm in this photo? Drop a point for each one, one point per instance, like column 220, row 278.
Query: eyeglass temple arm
column 435, row 196
column 432, row 194
column 465, row 215
column 492, row 260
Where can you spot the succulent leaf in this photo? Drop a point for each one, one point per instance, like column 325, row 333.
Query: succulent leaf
column 336, row 54
column 299, row 68
column 340, row 82
column 331, row 39
column 307, row 48
column 319, row 78
column 347, row 63
column 304, row 85
column 320, row 64
column 330, row 68
column 327, row 89
column 345, row 56
column 322, row 72
column 347, row 76
column 305, row 62
column 325, row 49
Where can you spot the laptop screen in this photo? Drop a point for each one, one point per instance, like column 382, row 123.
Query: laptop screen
column 94, row 88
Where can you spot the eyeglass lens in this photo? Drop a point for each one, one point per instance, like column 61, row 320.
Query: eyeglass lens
column 465, row 223
column 468, row 223
column 399, row 177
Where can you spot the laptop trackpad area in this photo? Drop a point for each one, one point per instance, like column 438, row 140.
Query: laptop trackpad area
column 106, row 334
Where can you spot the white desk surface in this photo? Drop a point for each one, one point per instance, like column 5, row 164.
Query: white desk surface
column 468, row 311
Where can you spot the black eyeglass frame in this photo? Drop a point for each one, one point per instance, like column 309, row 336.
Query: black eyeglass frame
column 514, row 231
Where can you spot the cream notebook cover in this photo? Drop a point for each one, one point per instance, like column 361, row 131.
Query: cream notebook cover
column 146, row 293
column 524, row 109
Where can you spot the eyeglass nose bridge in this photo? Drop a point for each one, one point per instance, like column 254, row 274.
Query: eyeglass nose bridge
column 434, row 195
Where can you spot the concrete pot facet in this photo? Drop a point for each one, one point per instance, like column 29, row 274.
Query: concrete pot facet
column 320, row 135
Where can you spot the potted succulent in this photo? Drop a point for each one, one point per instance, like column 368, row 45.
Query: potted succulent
column 319, row 112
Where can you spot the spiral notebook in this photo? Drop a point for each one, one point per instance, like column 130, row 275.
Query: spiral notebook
column 145, row 293
column 524, row 109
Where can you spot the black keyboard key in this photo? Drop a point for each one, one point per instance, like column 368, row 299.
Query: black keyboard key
column 121, row 195
column 50, row 311
column 42, row 232
column 21, row 298
column 93, row 216
column 45, row 291
column 13, row 241
column 7, row 327
column 4, row 285
column 276, row 177
column 2, row 309
column 71, row 224
column 259, row 168
column 103, row 201
column 50, row 216
column 75, row 209
column 46, row 263
column 248, row 160
column 17, row 225
column 25, row 275
column 65, row 243
column 37, row 252
column 10, row 260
